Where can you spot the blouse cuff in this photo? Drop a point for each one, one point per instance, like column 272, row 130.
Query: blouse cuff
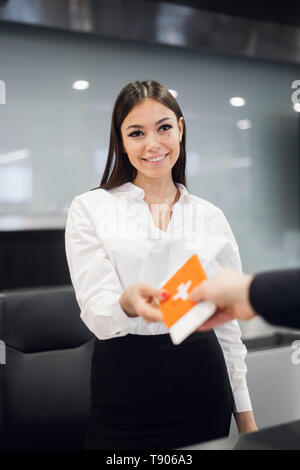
column 120, row 321
column 241, row 401
column 107, row 321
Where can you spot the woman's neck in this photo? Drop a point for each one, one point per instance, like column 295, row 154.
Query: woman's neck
column 158, row 191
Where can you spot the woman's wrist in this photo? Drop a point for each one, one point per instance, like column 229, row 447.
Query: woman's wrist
column 245, row 422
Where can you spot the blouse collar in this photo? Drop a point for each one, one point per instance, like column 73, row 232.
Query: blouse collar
column 132, row 191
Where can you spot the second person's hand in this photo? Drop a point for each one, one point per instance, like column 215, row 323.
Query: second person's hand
column 229, row 290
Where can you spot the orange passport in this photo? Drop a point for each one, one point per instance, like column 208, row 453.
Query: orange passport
column 181, row 315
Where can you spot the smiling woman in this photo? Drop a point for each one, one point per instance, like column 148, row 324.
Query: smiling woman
column 147, row 123
column 147, row 393
column 155, row 140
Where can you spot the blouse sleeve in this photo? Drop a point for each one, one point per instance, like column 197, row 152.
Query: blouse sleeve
column 95, row 281
column 229, row 334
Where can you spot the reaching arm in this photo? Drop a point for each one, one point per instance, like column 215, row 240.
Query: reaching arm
column 95, row 281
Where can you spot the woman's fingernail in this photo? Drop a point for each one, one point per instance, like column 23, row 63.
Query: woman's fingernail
column 165, row 295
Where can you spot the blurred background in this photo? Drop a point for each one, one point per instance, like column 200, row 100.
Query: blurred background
column 231, row 66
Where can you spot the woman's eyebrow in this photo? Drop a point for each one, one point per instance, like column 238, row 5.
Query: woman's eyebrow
column 141, row 127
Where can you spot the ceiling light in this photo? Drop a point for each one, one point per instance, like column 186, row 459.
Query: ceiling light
column 80, row 85
column 237, row 101
column 244, row 124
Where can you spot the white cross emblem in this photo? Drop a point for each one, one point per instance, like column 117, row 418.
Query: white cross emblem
column 182, row 291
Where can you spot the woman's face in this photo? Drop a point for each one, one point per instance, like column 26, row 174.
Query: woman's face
column 151, row 132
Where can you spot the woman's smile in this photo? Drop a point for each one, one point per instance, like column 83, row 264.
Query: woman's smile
column 159, row 160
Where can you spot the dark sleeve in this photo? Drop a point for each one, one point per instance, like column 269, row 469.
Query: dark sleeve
column 275, row 296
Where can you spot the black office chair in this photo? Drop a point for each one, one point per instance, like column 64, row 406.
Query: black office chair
column 44, row 369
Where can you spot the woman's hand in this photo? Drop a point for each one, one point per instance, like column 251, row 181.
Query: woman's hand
column 143, row 299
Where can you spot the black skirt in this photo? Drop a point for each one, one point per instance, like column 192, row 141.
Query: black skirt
column 147, row 393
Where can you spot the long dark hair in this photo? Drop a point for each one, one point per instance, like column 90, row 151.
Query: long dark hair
column 120, row 170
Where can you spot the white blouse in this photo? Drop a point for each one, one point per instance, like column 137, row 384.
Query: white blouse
column 112, row 243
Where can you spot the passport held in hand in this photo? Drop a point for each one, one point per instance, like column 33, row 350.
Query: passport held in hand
column 181, row 315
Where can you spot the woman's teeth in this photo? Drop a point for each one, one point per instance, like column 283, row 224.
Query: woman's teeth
column 158, row 159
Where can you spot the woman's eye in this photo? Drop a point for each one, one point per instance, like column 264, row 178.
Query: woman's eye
column 135, row 134
column 165, row 127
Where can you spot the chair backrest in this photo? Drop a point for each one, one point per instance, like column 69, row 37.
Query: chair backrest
column 45, row 357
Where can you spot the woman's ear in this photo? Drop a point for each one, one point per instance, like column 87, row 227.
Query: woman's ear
column 180, row 127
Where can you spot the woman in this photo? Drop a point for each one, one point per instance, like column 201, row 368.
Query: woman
column 122, row 240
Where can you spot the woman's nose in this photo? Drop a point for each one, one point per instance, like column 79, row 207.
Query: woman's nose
column 152, row 141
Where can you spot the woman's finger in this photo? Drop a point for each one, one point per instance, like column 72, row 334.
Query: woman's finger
column 155, row 302
column 150, row 313
column 149, row 290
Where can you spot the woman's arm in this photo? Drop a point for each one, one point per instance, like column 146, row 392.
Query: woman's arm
column 245, row 422
column 95, row 281
column 235, row 353
column 229, row 336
